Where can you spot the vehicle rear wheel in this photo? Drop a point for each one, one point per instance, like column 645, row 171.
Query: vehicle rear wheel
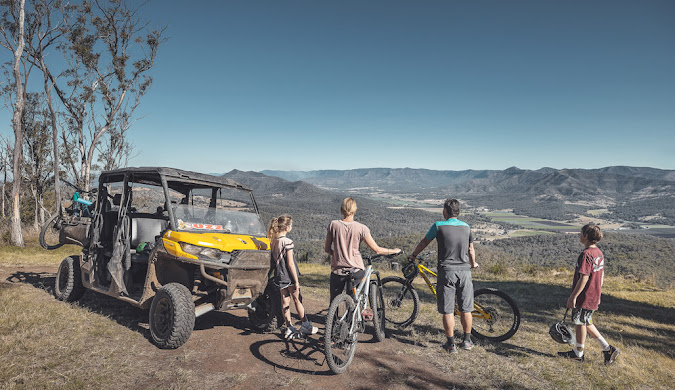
column 377, row 305
column 68, row 284
column 172, row 316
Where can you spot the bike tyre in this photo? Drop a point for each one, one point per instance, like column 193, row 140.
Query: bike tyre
column 376, row 301
column 392, row 287
column 332, row 333
column 507, row 312
column 44, row 231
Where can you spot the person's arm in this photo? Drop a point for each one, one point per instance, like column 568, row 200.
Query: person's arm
column 290, row 261
column 378, row 249
column 581, row 283
column 472, row 256
column 328, row 246
column 419, row 248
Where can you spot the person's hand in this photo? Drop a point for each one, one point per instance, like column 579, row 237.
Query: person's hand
column 571, row 302
column 475, row 265
column 396, row 251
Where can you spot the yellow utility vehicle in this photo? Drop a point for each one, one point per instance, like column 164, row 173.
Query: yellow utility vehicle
column 175, row 242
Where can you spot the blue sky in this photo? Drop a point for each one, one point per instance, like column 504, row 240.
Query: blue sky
column 451, row 85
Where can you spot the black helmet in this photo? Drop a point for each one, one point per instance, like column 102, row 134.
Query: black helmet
column 561, row 332
column 410, row 271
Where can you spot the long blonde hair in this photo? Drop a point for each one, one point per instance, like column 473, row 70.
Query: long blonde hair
column 277, row 225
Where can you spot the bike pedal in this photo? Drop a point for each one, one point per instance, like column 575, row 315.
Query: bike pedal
column 368, row 314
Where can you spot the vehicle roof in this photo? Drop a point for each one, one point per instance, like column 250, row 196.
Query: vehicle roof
column 150, row 174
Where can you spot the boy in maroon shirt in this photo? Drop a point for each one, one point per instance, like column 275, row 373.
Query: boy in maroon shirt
column 585, row 296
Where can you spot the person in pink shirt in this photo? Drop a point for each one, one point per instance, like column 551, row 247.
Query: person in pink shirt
column 342, row 243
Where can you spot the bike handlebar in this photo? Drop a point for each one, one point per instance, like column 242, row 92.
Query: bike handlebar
column 376, row 256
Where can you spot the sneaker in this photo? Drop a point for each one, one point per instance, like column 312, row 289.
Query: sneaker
column 611, row 354
column 307, row 328
column 571, row 355
column 466, row 344
column 452, row 348
column 290, row 332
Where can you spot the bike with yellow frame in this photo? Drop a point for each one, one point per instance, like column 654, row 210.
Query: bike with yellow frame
column 495, row 315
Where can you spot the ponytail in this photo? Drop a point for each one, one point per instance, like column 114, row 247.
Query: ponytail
column 278, row 225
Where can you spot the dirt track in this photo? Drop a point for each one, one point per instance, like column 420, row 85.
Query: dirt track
column 222, row 342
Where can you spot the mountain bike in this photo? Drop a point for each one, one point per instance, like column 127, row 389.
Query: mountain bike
column 79, row 212
column 495, row 315
column 348, row 313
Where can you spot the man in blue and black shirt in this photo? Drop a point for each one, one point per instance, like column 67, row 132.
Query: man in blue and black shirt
column 456, row 257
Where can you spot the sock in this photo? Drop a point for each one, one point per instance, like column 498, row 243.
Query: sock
column 467, row 336
column 579, row 350
column 603, row 343
column 307, row 323
column 451, row 340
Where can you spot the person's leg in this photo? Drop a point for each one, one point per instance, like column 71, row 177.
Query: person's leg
column 449, row 325
column 609, row 352
column 286, row 306
column 466, row 320
column 295, row 294
column 337, row 285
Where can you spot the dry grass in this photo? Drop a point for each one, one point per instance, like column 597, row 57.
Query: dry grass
column 48, row 344
column 634, row 316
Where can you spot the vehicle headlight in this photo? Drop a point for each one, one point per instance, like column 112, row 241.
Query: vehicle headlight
column 206, row 253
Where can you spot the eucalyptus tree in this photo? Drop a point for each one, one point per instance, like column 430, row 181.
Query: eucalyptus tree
column 109, row 52
column 13, row 38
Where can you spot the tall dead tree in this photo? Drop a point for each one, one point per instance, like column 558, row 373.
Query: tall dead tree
column 12, row 30
column 48, row 23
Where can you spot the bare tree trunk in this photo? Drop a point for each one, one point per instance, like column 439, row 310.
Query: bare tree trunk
column 36, row 223
column 15, row 227
column 55, row 137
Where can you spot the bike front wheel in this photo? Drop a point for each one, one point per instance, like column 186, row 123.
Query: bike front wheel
column 495, row 316
column 49, row 234
column 401, row 301
column 340, row 338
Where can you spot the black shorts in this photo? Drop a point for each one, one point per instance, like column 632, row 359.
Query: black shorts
column 338, row 282
column 453, row 284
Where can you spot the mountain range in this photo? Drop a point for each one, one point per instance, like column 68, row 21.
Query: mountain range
column 616, row 182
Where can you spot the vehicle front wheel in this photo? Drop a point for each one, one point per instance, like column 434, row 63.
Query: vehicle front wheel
column 68, row 284
column 172, row 316
column 377, row 305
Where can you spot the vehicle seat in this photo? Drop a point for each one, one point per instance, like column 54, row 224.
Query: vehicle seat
column 144, row 230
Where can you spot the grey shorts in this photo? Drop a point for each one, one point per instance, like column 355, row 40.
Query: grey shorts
column 582, row 317
column 453, row 284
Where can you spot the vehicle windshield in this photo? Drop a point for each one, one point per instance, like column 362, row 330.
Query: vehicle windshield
column 218, row 210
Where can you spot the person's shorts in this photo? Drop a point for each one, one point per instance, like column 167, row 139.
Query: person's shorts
column 454, row 286
column 582, row 317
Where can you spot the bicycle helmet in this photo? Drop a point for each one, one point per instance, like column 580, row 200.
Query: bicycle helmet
column 561, row 332
column 410, row 271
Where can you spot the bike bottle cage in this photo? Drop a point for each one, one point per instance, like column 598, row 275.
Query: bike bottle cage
column 78, row 199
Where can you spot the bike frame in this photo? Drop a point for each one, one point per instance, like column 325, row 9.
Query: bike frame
column 361, row 293
column 478, row 309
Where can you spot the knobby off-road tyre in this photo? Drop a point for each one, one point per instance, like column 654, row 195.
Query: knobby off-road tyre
column 263, row 319
column 376, row 302
column 172, row 316
column 49, row 229
column 68, row 283
column 401, row 301
column 340, row 344
column 503, row 315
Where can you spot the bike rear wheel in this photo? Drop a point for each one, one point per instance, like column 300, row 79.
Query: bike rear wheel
column 376, row 301
column 495, row 316
column 49, row 234
column 340, row 341
column 401, row 301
